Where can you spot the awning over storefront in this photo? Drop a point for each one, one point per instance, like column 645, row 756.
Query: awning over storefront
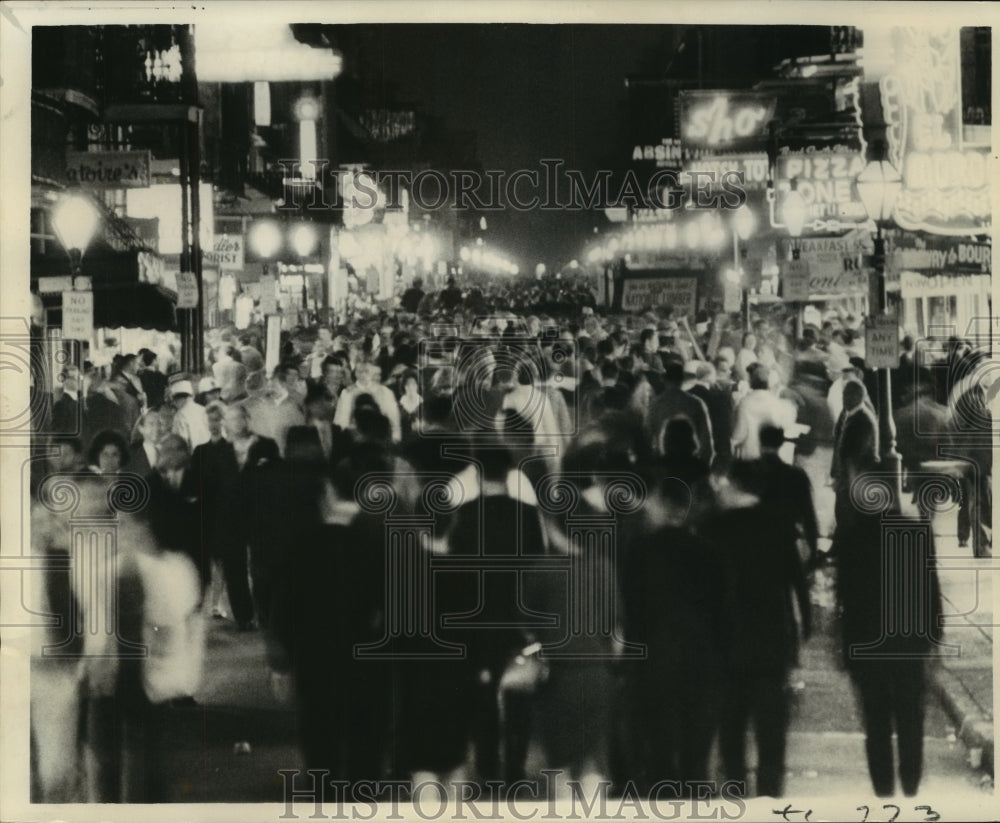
column 131, row 306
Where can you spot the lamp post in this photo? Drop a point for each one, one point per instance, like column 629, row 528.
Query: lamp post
column 794, row 214
column 75, row 219
column 303, row 240
column 744, row 224
column 878, row 186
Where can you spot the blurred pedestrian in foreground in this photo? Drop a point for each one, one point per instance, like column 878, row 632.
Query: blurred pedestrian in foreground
column 890, row 602
column 762, row 575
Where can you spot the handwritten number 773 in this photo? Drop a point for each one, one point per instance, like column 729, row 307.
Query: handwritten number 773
column 932, row 816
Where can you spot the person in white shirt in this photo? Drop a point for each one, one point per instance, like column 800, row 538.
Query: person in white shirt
column 368, row 375
column 761, row 407
column 190, row 420
column 746, row 357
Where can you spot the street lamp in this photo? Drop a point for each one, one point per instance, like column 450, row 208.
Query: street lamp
column 744, row 223
column 265, row 239
column 75, row 219
column 878, row 186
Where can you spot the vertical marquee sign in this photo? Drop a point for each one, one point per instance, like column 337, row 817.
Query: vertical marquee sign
column 945, row 180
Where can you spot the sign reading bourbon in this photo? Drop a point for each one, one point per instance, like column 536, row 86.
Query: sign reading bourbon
column 945, row 179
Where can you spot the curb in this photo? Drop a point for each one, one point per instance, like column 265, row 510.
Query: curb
column 974, row 729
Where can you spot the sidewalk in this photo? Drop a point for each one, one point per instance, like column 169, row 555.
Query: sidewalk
column 964, row 682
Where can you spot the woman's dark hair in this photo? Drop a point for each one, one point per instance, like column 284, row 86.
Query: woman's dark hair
column 108, row 437
column 303, row 447
column 679, row 439
column 372, row 425
column 759, row 378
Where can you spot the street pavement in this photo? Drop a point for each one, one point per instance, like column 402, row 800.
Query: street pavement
column 232, row 744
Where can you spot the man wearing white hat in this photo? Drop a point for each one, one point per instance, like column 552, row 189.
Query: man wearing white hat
column 190, row 420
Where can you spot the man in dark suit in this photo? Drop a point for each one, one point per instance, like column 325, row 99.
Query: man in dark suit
column 153, row 381
column 719, row 402
column 675, row 402
column 891, row 609
column 216, row 471
column 144, row 452
column 762, row 571
column 787, row 492
column 255, row 456
column 66, row 408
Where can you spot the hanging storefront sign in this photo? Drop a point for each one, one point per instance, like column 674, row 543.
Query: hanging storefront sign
column 648, row 290
column 936, row 253
column 78, row 315
column 945, row 180
column 666, row 154
column 108, row 169
column 751, row 168
column 226, row 253
column 914, row 284
column 825, row 179
column 725, row 121
column 836, row 264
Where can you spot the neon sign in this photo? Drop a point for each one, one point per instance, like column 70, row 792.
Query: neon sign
column 945, row 182
column 725, row 121
column 825, row 179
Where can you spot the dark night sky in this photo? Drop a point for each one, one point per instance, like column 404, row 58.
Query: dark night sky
column 539, row 91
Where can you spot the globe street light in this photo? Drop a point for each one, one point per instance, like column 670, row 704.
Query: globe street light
column 265, row 240
column 75, row 219
column 878, row 186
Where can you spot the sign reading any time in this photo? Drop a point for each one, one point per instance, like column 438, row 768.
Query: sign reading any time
column 882, row 342
column 680, row 293
column 78, row 315
column 108, row 169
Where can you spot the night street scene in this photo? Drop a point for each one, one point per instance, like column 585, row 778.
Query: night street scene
column 434, row 420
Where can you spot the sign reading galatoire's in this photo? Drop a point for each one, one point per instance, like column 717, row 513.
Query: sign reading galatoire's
column 108, row 169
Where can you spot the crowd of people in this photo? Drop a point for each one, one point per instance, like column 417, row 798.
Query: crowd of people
column 254, row 475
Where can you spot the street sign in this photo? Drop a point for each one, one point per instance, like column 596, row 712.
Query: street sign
column 882, row 342
column 53, row 285
column 78, row 315
column 187, row 290
column 272, row 345
column 795, row 281
column 268, row 295
column 732, row 297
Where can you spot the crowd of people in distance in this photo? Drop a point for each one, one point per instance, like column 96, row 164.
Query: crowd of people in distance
column 729, row 436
